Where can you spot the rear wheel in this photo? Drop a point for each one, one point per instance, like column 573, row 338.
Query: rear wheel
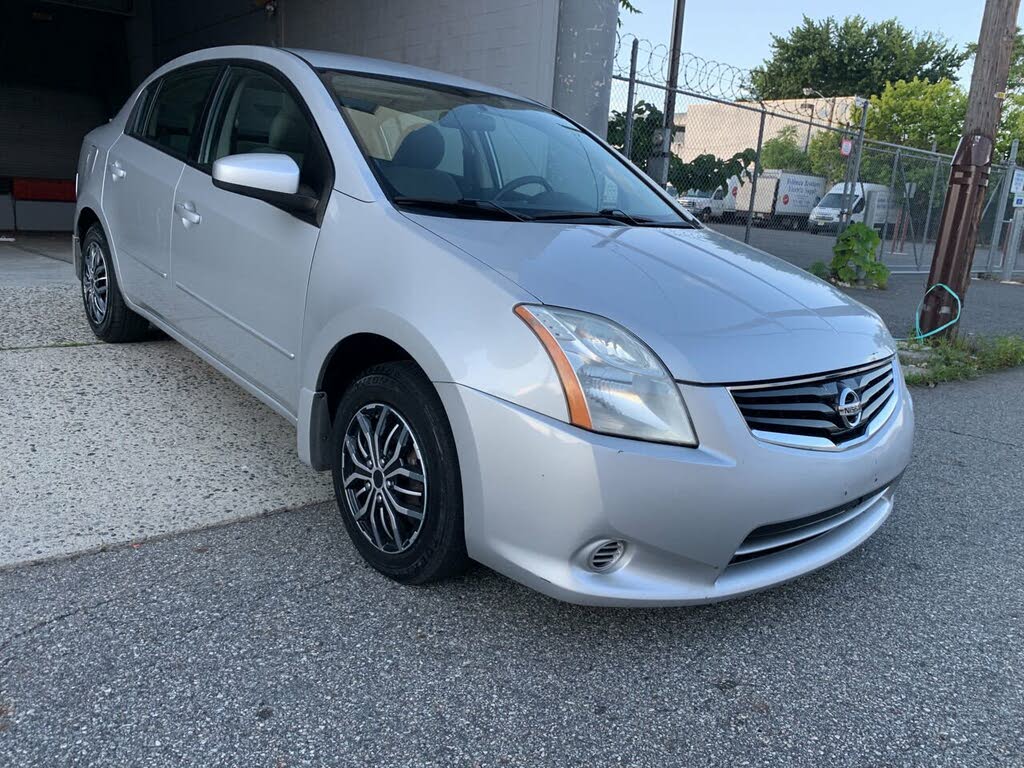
column 396, row 475
column 108, row 315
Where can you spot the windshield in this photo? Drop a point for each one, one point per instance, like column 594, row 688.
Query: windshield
column 832, row 200
column 456, row 152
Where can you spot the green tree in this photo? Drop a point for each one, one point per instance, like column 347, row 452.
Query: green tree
column 825, row 158
column 647, row 122
column 852, row 56
column 917, row 112
column 783, row 152
column 708, row 172
column 828, row 161
column 703, row 172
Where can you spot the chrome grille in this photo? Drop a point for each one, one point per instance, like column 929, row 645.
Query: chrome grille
column 820, row 412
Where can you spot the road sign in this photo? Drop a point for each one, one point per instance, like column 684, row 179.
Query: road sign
column 846, row 147
column 1017, row 182
column 1018, row 200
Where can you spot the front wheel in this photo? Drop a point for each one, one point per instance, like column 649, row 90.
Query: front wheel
column 396, row 475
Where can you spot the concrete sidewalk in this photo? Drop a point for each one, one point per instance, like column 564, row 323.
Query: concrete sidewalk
column 105, row 444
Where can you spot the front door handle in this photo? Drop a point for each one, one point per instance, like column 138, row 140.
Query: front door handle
column 188, row 214
column 117, row 171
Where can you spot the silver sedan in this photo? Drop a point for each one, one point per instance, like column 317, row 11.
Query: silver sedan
column 505, row 342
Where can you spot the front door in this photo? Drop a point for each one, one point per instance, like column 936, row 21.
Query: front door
column 240, row 265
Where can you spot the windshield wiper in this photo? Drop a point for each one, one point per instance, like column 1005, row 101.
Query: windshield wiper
column 614, row 214
column 463, row 204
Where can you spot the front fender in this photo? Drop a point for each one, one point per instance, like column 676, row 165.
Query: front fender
column 376, row 271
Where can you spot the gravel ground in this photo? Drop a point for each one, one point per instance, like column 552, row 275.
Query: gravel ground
column 268, row 643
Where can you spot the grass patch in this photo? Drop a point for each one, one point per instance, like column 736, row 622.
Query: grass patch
column 928, row 364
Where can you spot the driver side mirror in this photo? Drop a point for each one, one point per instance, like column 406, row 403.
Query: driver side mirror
column 273, row 178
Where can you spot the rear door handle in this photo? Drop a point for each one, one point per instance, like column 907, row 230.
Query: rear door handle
column 117, row 171
column 188, row 214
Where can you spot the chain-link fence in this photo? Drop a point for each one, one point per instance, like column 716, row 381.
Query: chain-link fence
column 787, row 175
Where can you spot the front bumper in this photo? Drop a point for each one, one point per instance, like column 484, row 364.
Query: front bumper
column 538, row 493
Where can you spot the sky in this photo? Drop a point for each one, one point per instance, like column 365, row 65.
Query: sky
column 739, row 33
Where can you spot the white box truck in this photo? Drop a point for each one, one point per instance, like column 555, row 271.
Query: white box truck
column 783, row 199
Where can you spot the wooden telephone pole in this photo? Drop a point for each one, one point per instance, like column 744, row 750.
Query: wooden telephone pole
column 961, row 211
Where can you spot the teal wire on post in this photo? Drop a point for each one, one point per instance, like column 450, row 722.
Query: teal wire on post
column 918, row 336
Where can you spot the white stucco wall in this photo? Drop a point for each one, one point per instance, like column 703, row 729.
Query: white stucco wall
column 507, row 43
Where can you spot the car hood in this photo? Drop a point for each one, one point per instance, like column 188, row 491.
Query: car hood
column 714, row 309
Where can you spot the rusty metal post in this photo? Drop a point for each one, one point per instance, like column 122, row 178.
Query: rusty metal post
column 955, row 244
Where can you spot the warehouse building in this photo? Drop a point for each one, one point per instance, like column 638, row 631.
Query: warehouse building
column 68, row 65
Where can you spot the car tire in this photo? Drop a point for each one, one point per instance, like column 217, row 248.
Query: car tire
column 109, row 317
column 390, row 428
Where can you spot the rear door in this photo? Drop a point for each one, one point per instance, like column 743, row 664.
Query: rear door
column 240, row 265
column 143, row 168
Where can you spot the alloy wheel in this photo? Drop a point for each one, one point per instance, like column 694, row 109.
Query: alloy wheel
column 94, row 282
column 384, row 478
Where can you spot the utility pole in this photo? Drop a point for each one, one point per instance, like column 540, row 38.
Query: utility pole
column 658, row 168
column 968, row 179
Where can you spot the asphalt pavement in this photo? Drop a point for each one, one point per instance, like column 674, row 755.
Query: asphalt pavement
column 269, row 643
column 262, row 638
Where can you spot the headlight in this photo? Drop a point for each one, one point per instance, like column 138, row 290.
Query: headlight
column 613, row 383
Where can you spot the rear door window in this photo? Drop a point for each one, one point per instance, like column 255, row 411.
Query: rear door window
column 178, row 108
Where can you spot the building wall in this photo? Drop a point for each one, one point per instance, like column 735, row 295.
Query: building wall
column 505, row 43
column 723, row 130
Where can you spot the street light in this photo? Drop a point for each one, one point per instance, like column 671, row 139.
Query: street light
column 809, row 91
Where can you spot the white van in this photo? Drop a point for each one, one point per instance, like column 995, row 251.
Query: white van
column 709, row 204
column 825, row 216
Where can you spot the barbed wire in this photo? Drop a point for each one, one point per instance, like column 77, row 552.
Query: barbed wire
column 719, row 80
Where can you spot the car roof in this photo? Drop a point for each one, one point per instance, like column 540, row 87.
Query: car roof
column 365, row 65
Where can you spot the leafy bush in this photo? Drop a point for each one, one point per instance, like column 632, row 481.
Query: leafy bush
column 854, row 258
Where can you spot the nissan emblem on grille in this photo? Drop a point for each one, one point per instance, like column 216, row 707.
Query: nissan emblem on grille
column 828, row 411
column 848, row 407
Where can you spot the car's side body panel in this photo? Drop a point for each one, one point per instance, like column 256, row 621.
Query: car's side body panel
column 137, row 194
column 240, row 290
column 376, row 271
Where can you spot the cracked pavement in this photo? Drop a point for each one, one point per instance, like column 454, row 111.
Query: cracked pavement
column 268, row 642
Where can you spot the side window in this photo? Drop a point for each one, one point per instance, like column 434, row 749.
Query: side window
column 137, row 120
column 255, row 113
column 178, row 107
column 859, row 206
